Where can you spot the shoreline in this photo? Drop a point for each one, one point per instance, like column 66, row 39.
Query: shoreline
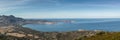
column 21, row 32
column 27, row 33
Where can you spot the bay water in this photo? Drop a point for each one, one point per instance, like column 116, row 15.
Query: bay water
column 105, row 24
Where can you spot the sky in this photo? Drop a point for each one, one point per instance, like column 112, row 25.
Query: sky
column 61, row 8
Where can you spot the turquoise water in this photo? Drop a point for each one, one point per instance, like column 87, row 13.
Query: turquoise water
column 86, row 24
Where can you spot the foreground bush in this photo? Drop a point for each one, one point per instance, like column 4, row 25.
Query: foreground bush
column 103, row 36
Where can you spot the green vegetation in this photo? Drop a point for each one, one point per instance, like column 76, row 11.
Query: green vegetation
column 103, row 36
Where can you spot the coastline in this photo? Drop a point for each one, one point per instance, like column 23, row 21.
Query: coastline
column 22, row 32
column 28, row 34
column 11, row 28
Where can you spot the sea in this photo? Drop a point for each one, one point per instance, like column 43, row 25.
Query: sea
column 104, row 24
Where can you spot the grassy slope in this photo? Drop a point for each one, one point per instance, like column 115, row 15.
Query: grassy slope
column 3, row 37
column 103, row 36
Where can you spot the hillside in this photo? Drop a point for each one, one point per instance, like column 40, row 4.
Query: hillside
column 103, row 36
column 10, row 20
column 20, row 32
column 13, row 21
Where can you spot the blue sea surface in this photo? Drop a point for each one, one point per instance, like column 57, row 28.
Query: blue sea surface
column 106, row 24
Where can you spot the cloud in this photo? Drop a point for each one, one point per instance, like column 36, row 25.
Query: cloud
column 7, row 5
column 57, row 5
column 99, row 3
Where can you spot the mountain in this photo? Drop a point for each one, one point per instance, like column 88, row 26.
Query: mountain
column 10, row 20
